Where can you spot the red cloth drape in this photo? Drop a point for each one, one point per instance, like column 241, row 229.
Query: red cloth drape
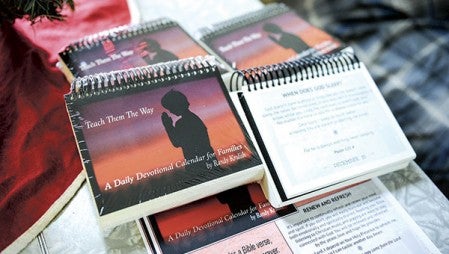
column 38, row 155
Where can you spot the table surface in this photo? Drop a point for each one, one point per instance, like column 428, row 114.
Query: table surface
column 76, row 230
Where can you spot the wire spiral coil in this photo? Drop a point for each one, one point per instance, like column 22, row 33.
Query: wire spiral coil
column 103, row 83
column 264, row 77
column 270, row 10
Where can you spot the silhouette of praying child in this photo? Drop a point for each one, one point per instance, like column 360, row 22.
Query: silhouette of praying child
column 189, row 132
column 284, row 39
column 152, row 53
column 237, row 199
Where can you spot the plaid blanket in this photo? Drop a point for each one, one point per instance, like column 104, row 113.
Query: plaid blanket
column 405, row 45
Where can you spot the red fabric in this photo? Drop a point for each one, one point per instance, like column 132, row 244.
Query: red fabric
column 39, row 159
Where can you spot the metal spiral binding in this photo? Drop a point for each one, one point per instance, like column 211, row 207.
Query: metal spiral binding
column 103, row 83
column 118, row 33
column 270, row 10
column 293, row 71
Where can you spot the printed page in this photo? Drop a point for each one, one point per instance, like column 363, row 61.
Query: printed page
column 363, row 218
column 322, row 131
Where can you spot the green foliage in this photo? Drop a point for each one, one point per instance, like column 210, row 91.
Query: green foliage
column 33, row 10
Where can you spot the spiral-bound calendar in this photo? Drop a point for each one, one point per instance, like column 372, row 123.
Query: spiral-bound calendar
column 128, row 46
column 159, row 136
column 272, row 34
column 320, row 123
